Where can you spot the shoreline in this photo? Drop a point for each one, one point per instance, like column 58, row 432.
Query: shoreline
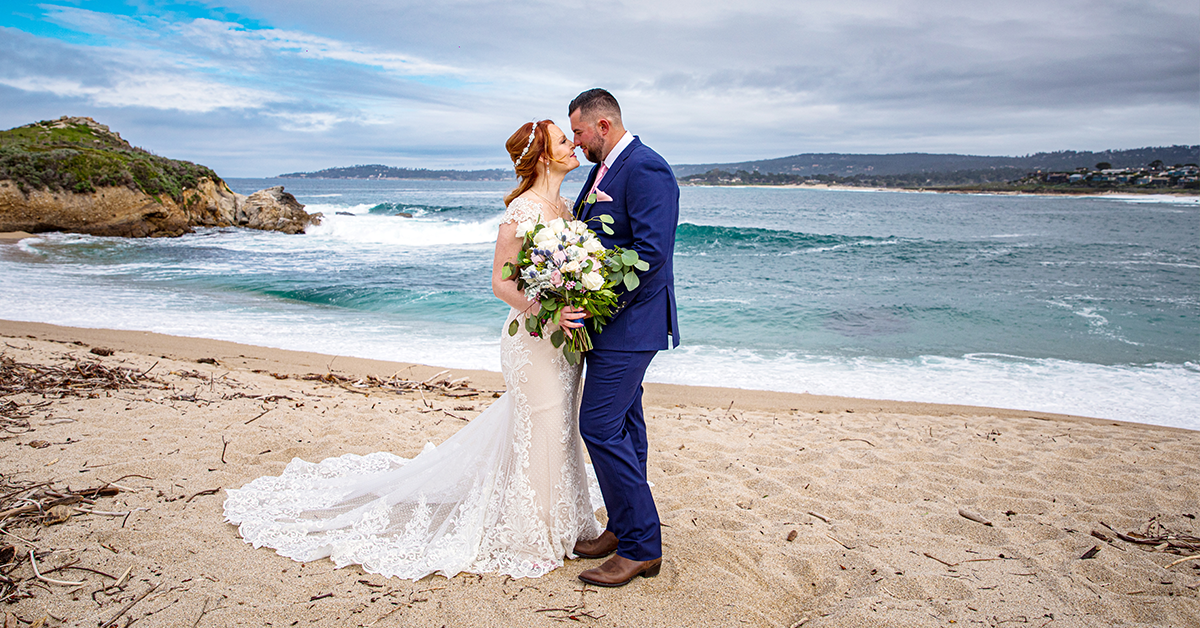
column 235, row 355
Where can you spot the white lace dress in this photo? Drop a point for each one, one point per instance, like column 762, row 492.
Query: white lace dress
column 509, row 493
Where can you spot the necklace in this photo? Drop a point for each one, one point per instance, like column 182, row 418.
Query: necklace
column 557, row 206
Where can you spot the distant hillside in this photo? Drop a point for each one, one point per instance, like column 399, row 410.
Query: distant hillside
column 379, row 171
column 841, row 164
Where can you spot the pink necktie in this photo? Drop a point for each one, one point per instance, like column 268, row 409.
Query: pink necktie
column 599, row 176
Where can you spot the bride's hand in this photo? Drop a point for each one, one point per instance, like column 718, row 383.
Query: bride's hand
column 572, row 318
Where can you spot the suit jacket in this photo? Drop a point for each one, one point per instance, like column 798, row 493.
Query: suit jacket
column 645, row 212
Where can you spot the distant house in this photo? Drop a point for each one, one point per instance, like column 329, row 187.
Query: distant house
column 1076, row 178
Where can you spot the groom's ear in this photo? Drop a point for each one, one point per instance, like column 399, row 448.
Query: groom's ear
column 604, row 126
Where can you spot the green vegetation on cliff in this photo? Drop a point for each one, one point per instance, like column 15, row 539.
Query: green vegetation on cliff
column 81, row 155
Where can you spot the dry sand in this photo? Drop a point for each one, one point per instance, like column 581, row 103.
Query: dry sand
column 869, row 494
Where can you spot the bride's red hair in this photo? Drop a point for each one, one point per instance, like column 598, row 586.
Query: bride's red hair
column 527, row 170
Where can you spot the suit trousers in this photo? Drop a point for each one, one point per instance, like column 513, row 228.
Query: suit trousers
column 613, row 427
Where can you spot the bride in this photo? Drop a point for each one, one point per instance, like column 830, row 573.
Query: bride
column 509, row 493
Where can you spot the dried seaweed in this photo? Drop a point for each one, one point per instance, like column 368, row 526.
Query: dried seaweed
column 439, row 383
column 1159, row 537
column 24, row 504
column 74, row 377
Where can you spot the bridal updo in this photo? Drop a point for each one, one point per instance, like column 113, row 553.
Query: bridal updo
column 527, row 169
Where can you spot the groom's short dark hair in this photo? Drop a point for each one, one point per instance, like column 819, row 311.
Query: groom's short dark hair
column 595, row 101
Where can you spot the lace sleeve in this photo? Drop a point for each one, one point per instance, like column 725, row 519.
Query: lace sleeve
column 521, row 210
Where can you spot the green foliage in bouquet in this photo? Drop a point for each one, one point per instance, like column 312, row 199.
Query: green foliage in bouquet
column 564, row 265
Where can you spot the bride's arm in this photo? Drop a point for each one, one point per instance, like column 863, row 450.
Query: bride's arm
column 508, row 245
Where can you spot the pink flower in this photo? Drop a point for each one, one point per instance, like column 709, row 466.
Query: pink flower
column 560, row 256
column 556, row 279
column 537, row 259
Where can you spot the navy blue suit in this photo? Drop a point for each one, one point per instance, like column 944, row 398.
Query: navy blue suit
column 645, row 212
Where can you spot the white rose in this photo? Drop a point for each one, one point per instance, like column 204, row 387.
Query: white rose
column 593, row 280
column 544, row 238
column 558, row 225
column 571, row 267
column 578, row 227
column 523, row 228
column 592, row 245
column 576, row 252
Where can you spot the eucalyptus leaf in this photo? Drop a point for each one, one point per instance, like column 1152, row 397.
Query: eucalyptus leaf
column 557, row 338
column 531, row 324
column 513, row 327
column 508, row 271
column 631, row 281
column 641, row 265
column 572, row 357
column 607, row 229
column 629, row 257
column 606, row 219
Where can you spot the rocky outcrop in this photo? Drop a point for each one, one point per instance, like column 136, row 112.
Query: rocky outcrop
column 75, row 174
column 273, row 209
column 124, row 212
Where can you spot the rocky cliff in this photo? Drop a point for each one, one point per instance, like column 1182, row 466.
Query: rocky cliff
column 74, row 174
column 122, row 212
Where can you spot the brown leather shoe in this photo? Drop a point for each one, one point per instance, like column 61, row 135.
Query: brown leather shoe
column 619, row 571
column 598, row 548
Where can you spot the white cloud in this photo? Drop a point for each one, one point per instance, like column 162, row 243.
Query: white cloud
column 429, row 83
column 155, row 91
column 229, row 39
column 307, row 122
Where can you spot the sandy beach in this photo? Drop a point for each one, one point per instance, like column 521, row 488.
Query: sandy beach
column 778, row 509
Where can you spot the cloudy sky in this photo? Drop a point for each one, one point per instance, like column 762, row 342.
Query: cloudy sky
column 259, row 87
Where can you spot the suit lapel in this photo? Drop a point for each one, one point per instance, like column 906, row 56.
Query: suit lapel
column 581, row 208
column 585, row 209
column 611, row 175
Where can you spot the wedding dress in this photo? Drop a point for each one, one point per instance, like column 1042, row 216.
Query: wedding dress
column 509, row 493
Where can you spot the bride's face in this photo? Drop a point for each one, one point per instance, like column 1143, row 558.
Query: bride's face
column 561, row 150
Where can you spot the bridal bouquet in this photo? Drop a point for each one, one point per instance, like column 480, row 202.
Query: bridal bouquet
column 562, row 264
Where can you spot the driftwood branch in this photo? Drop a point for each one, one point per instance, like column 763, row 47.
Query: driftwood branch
column 65, row 583
column 125, row 609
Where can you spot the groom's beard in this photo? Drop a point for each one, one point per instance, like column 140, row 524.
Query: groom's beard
column 594, row 154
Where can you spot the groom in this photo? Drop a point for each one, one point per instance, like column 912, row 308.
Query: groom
column 635, row 186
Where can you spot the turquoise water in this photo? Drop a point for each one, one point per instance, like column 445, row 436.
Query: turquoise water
column 1075, row 305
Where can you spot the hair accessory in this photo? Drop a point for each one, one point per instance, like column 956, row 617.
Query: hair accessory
column 527, row 145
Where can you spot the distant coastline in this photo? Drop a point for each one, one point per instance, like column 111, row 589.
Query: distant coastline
column 382, row 172
column 1151, row 170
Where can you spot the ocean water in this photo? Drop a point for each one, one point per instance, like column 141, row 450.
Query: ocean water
column 1085, row 306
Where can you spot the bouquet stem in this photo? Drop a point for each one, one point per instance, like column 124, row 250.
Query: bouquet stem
column 579, row 342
